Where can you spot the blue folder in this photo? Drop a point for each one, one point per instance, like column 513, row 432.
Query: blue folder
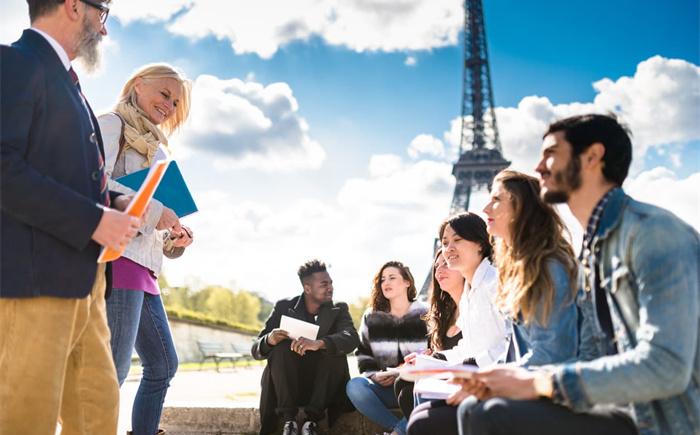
column 172, row 191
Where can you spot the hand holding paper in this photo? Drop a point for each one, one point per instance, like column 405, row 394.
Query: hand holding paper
column 298, row 328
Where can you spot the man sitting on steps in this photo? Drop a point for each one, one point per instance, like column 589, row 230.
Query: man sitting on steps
column 303, row 372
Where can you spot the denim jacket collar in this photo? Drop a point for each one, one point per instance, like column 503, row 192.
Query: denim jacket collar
column 612, row 214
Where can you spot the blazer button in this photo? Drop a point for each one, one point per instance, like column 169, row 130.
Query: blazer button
column 95, row 175
column 93, row 138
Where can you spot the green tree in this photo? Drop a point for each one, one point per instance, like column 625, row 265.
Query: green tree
column 246, row 307
column 177, row 297
column 357, row 309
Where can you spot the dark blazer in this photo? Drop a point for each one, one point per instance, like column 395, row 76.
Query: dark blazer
column 49, row 176
column 335, row 328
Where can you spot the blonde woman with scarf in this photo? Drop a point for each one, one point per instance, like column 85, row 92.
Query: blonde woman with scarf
column 154, row 102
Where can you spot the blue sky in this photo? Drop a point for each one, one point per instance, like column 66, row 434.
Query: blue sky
column 332, row 137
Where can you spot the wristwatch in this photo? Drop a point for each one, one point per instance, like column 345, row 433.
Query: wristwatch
column 543, row 383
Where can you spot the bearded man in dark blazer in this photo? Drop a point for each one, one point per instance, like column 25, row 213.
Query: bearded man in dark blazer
column 56, row 214
column 304, row 372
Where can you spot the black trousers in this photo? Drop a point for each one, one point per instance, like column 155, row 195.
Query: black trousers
column 310, row 381
column 434, row 417
column 403, row 390
column 527, row 417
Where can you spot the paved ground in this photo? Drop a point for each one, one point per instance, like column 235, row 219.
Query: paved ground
column 206, row 388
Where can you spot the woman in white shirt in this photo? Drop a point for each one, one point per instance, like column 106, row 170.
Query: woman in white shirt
column 468, row 250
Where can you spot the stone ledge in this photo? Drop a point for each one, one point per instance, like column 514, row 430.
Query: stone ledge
column 239, row 420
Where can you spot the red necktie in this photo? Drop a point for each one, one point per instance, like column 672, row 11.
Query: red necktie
column 104, row 195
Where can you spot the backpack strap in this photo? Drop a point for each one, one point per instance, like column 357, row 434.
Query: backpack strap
column 122, row 140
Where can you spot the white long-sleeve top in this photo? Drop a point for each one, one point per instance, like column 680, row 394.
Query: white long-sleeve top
column 484, row 329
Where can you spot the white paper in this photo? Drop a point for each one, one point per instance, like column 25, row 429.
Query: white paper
column 427, row 361
column 298, row 328
column 434, row 388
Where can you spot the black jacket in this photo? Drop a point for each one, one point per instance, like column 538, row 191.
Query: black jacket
column 335, row 328
column 49, row 176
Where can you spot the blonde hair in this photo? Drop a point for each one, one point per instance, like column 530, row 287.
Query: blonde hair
column 160, row 71
column 525, row 285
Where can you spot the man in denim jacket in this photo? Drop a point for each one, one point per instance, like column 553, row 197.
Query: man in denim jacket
column 639, row 297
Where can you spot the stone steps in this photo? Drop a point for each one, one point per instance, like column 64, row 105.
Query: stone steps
column 218, row 420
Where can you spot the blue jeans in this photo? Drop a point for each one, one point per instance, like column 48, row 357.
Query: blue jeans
column 375, row 402
column 138, row 320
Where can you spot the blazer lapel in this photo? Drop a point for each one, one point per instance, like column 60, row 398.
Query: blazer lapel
column 326, row 318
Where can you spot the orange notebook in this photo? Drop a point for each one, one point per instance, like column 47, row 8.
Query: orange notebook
column 138, row 205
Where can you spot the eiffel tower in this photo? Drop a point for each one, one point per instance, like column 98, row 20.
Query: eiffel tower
column 480, row 157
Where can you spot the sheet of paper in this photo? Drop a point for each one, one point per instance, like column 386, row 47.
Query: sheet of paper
column 434, row 388
column 425, row 361
column 298, row 328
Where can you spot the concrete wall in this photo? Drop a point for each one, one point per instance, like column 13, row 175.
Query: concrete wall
column 186, row 333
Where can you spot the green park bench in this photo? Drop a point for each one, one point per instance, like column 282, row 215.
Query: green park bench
column 216, row 351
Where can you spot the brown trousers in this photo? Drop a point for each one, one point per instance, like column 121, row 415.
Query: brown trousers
column 55, row 360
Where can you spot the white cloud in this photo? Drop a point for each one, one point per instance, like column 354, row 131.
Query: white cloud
column 425, row 144
column 392, row 213
column 410, row 61
column 250, row 125
column 660, row 186
column 660, row 104
column 151, row 11
column 264, row 26
column 15, row 18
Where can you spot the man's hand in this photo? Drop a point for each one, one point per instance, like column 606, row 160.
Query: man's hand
column 276, row 335
column 115, row 229
column 169, row 220
column 508, row 382
column 303, row 345
column 470, row 387
column 382, row 379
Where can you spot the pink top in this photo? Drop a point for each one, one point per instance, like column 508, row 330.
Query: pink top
column 129, row 275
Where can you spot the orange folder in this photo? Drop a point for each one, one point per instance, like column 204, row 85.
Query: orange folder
column 138, row 205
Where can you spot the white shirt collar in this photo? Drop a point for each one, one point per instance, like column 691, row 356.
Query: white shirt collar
column 480, row 274
column 56, row 47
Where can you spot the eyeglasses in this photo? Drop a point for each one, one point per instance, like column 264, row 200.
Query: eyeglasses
column 104, row 10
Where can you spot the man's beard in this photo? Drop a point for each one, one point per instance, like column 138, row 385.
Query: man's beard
column 87, row 48
column 566, row 181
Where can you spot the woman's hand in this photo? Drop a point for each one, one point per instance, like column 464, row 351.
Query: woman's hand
column 382, row 379
column 169, row 221
column 185, row 239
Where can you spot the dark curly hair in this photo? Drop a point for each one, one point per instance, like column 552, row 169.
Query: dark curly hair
column 377, row 301
column 309, row 268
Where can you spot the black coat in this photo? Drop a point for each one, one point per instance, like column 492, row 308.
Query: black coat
column 335, row 328
column 49, row 176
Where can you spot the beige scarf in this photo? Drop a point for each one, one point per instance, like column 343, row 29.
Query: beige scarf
column 140, row 133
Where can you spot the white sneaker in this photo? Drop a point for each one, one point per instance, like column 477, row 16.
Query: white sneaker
column 309, row 428
column 290, row 428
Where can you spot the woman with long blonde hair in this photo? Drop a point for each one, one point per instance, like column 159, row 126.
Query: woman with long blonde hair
column 536, row 270
column 154, row 102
